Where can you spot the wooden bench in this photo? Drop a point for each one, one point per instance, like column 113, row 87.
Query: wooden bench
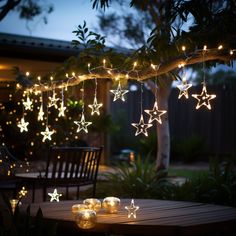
column 67, row 167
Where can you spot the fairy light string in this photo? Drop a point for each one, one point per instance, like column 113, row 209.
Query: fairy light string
column 104, row 71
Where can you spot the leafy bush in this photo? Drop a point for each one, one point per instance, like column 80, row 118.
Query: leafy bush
column 137, row 180
column 217, row 186
column 140, row 180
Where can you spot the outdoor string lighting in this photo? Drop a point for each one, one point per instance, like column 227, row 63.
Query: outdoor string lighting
column 113, row 73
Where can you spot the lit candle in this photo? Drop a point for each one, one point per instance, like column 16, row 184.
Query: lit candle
column 93, row 204
column 111, row 204
column 86, row 219
column 13, row 203
column 78, row 207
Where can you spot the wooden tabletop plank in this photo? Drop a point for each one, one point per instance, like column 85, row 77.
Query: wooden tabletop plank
column 164, row 216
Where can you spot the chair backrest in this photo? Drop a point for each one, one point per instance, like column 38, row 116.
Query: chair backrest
column 74, row 163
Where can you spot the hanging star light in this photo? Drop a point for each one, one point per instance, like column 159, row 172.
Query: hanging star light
column 62, row 108
column 41, row 113
column 23, row 125
column 132, row 209
column 47, row 134
column 53, row 100
column 119, row 93
column 95, row 106
column 82, row 124
column 141, row 127
column 204, row 98
column 55, row 196
column 183, row 89
column 155, row 114
column 28, row 103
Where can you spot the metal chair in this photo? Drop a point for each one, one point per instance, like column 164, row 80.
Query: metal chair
column 69, row 167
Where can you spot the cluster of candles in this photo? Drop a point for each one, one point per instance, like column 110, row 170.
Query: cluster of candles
column 86, row 213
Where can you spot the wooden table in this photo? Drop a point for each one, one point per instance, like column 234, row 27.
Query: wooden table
column 155, row 217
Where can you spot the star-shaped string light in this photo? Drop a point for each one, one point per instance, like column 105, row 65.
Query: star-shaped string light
column 141, row 127
column 62, row 108
column 28, row 103
column 132, row 209
column 119, row 93
column 53, row 100
column 155, row 113
column 41, row 113
column 204, row 98
column 55, row 196
column 183, row 89
column 82, row 124
column 47, row 134
column 23, row 125
column 95, row 106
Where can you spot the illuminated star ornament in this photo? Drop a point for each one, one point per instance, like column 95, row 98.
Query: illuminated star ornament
column 141, row 127
column 28, row 103
column 54, row 196
column 53, row 100
column 155, row 114
column 95, row 106
column 23, row 125
column 47, row 134
column 132, row 209
column 82, row 124
column 62, row 109
column 119, row 93
column 41, row 113
column 183, row 89
column 204, row 98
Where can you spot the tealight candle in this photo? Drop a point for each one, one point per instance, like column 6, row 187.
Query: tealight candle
column 93, row 204
column 111, row 204
column 78, row 207
column 86, row 219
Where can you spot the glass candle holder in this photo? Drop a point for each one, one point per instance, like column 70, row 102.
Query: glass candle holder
column 86, row 219
column 78, row 207
column 13, row 203
column 111, row 204
column 93, row 204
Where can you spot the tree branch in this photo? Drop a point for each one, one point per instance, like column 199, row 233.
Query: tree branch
column 148, row 72
column 10, row 5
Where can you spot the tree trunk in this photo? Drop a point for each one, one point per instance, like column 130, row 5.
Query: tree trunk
column 163, row 132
